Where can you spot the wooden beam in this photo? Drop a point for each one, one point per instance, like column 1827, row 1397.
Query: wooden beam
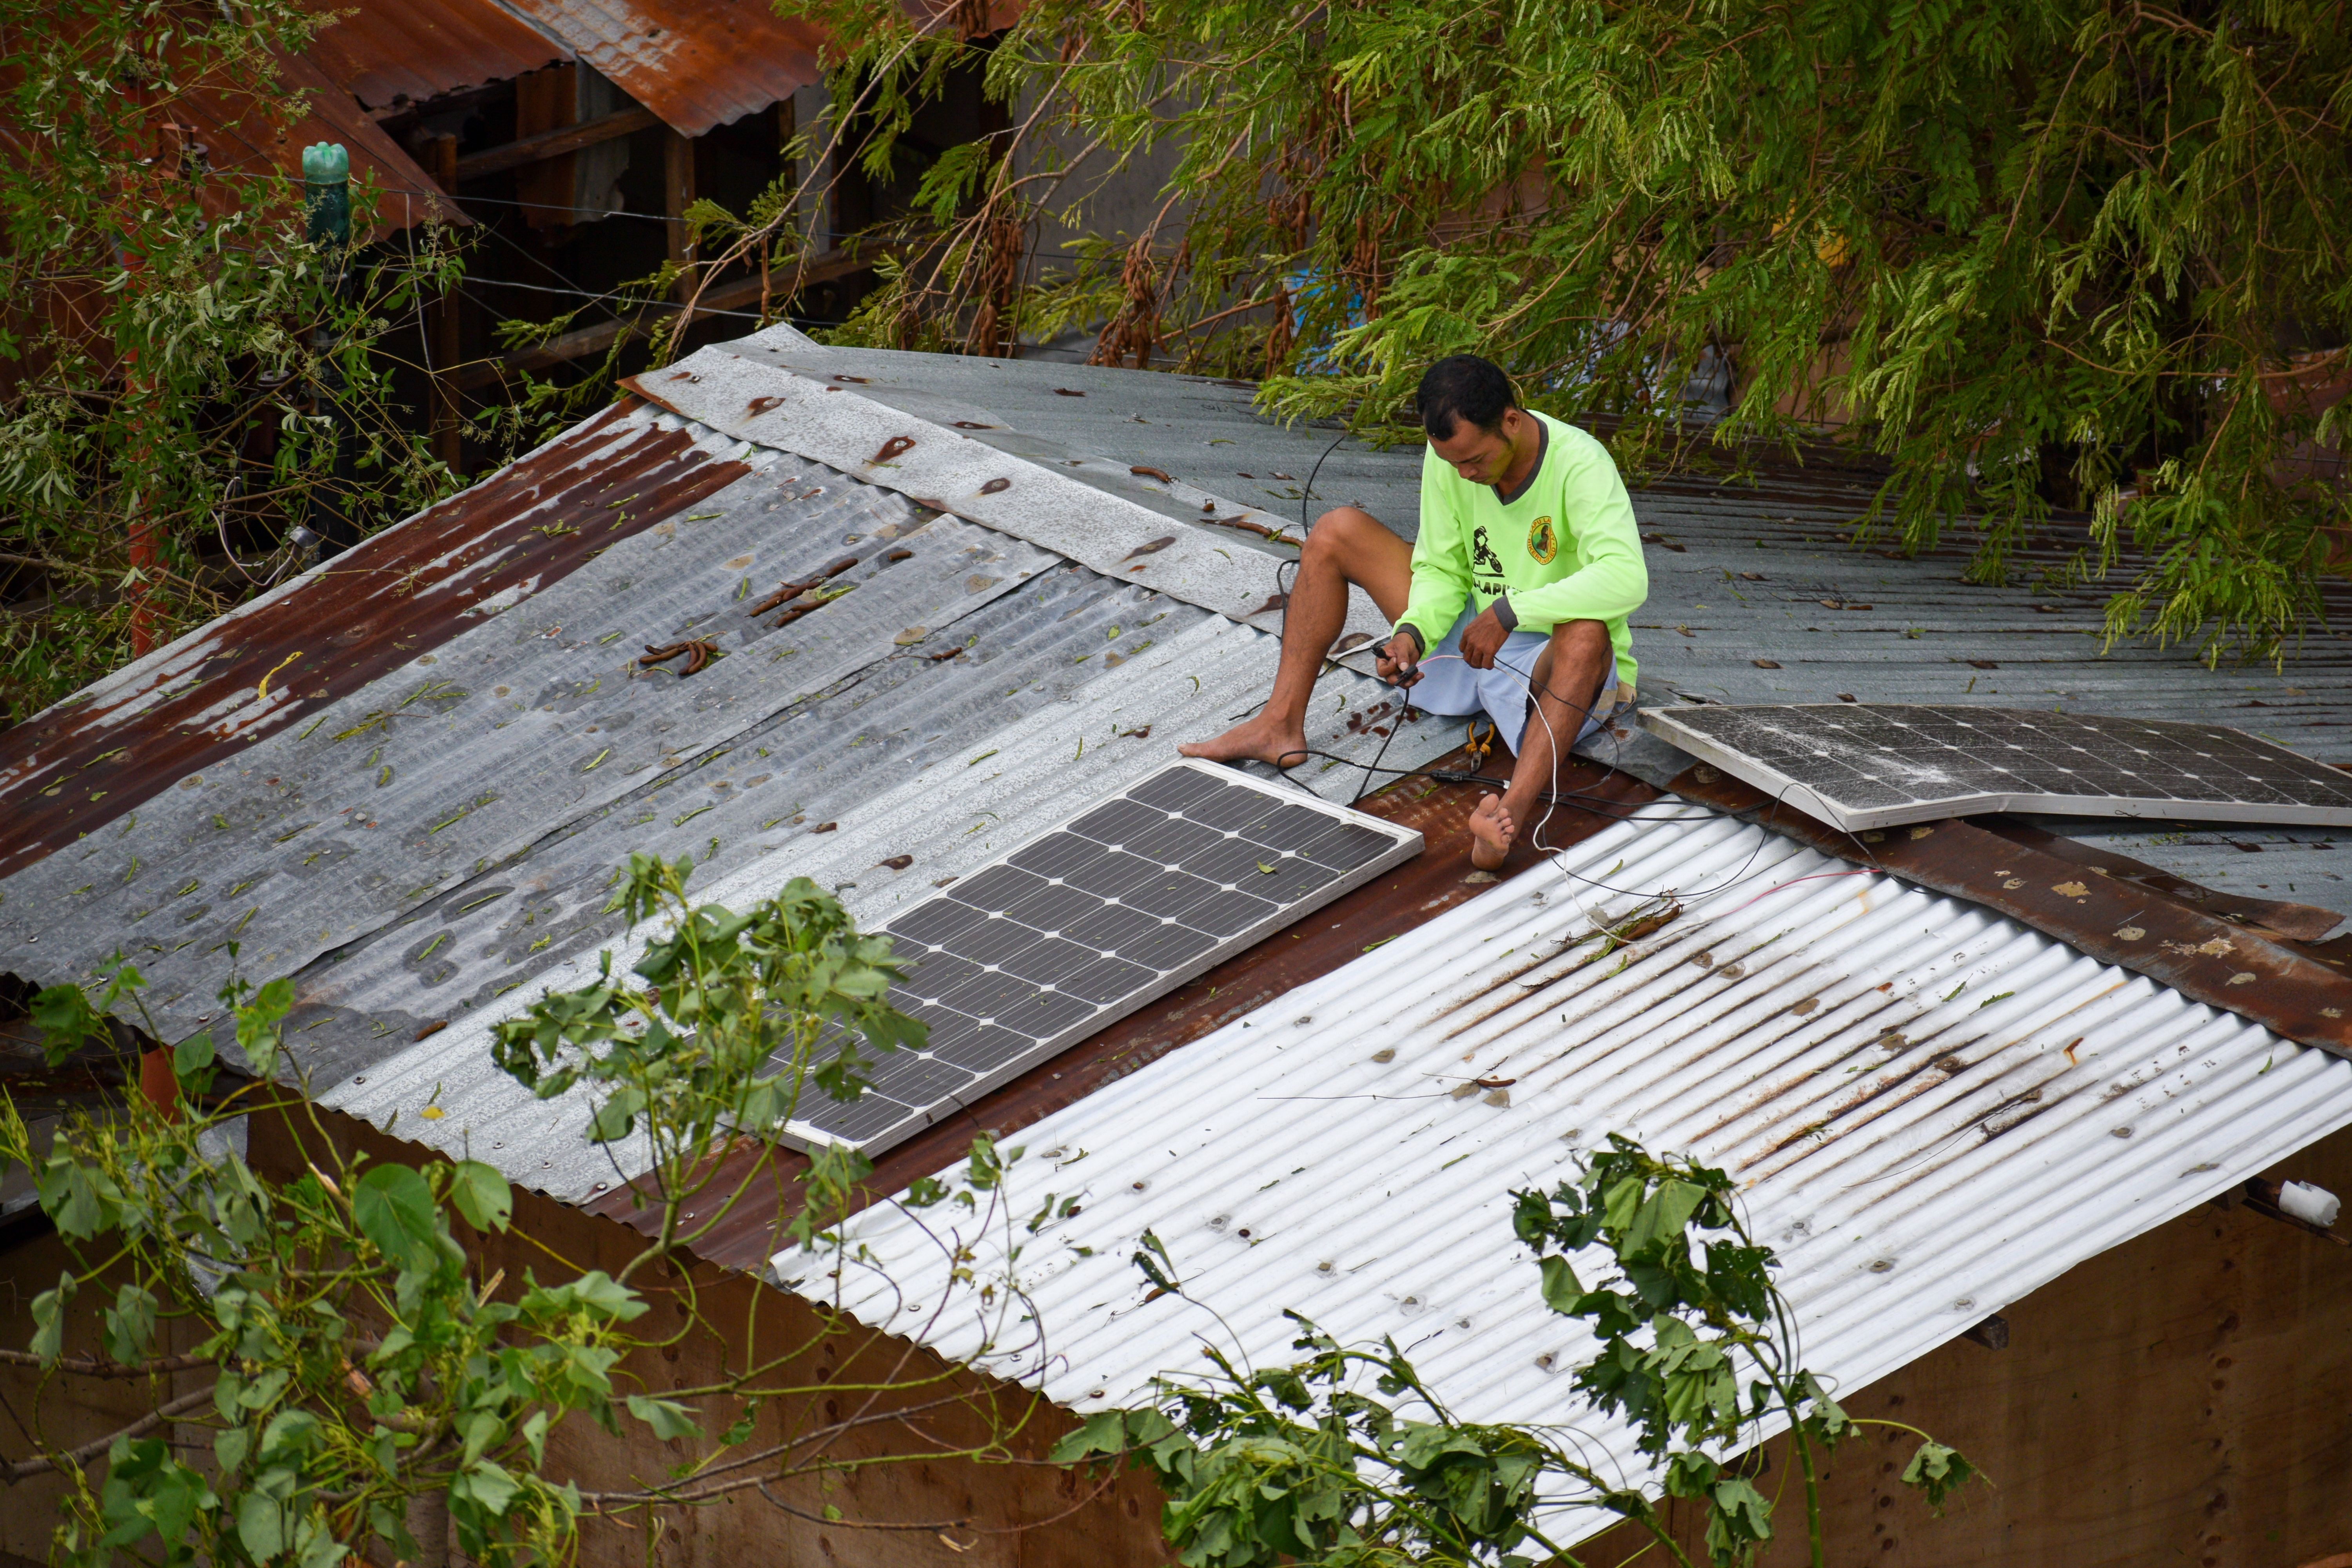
column 554, row 143
column 822, row 268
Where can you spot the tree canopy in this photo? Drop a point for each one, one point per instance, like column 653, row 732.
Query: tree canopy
column 2034, row 255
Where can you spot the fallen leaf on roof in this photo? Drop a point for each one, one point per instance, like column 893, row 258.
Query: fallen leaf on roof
column 897, row 862
column 1765, row 663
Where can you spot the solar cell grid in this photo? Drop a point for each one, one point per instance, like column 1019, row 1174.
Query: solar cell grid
column 1879, row 766
column 1070, row 931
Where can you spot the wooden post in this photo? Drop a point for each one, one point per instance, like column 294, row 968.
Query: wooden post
column 448, row 441
column 678, row 195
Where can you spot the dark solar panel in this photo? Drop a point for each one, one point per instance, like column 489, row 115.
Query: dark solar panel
column 1082, row 925
column 1878, row 767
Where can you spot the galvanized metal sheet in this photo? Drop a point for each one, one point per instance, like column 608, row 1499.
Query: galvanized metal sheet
column 695, row 63
column 1201, row 431
column 1073, row 506
column 316, row 837
column 1933, row 1110
column 956, row 804
column 769, row 797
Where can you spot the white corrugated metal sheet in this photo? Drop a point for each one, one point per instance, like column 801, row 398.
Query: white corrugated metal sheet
column 1934, row 1111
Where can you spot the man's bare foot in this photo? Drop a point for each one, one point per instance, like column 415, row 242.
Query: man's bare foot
column 1253, row 739
column 1492, row 832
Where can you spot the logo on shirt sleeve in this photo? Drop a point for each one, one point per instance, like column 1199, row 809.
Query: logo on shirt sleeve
column 1542, row 543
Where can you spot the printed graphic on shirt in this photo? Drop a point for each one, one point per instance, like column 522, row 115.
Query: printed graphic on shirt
column 1481, row 555
column 1542, row 543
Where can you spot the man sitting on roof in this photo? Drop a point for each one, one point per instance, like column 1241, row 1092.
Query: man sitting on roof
column 1512, row 601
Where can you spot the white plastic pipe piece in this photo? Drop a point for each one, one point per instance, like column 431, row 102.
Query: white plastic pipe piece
column 2316, row 1205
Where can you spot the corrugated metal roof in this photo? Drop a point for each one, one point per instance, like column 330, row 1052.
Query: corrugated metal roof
column 1933, row 1111
column 1738, row 572
column 1110, row 514
column 496, row 818
column 695, row 63
column 752, row 803
column 973, row 793
column 460, row 760
column 393, row 598
column 390, row 50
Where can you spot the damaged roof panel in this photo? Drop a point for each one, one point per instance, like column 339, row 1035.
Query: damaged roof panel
column 770, row 799
column 695, row 63
column 393, row 51
column 537, row 712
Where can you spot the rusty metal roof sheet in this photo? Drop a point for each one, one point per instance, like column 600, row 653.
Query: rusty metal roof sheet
column 393, row 598
column 390, row 50
column 241, row 141
column 1933, row 1110
column 695, row 63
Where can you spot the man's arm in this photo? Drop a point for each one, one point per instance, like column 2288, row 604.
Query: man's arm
column 1441, row 560
column 1615, row 580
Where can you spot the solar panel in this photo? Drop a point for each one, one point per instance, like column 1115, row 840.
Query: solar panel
column 1082, row 925
column 1865, row 766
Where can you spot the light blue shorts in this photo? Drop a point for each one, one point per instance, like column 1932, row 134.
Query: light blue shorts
column 1449, row 687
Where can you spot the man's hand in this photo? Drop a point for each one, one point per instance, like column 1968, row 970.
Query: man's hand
column 1482, row 639
column 1398, row 660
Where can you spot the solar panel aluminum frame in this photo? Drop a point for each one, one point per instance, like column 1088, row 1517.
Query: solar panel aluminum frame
column 1406, row 842
column 1796, row 792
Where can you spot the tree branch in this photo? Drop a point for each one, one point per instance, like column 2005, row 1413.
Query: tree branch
column 24, row 1469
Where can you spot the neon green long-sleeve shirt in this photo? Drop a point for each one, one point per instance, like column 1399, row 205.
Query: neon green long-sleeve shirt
column 1567, row 550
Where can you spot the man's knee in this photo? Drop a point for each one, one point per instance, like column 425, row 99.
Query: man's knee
column 1338, row 529
column 1579, row 639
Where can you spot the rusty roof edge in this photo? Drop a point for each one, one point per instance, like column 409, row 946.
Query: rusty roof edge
column 124, row 680
column 2136, row 927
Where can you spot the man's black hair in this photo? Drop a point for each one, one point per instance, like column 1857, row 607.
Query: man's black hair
column 1464, row 387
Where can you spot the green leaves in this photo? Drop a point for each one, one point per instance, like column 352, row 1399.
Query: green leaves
column 257, row 1024
column 1937, row 1471
column 595, row 1294
column 66, row 1019
column 130, row 1323
column 482, row 1196
column 667, row 1418
column 48, row 1319
column 727, row 1022
column 82, row 1199
column 1562, row 1292
column 394, row 1208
